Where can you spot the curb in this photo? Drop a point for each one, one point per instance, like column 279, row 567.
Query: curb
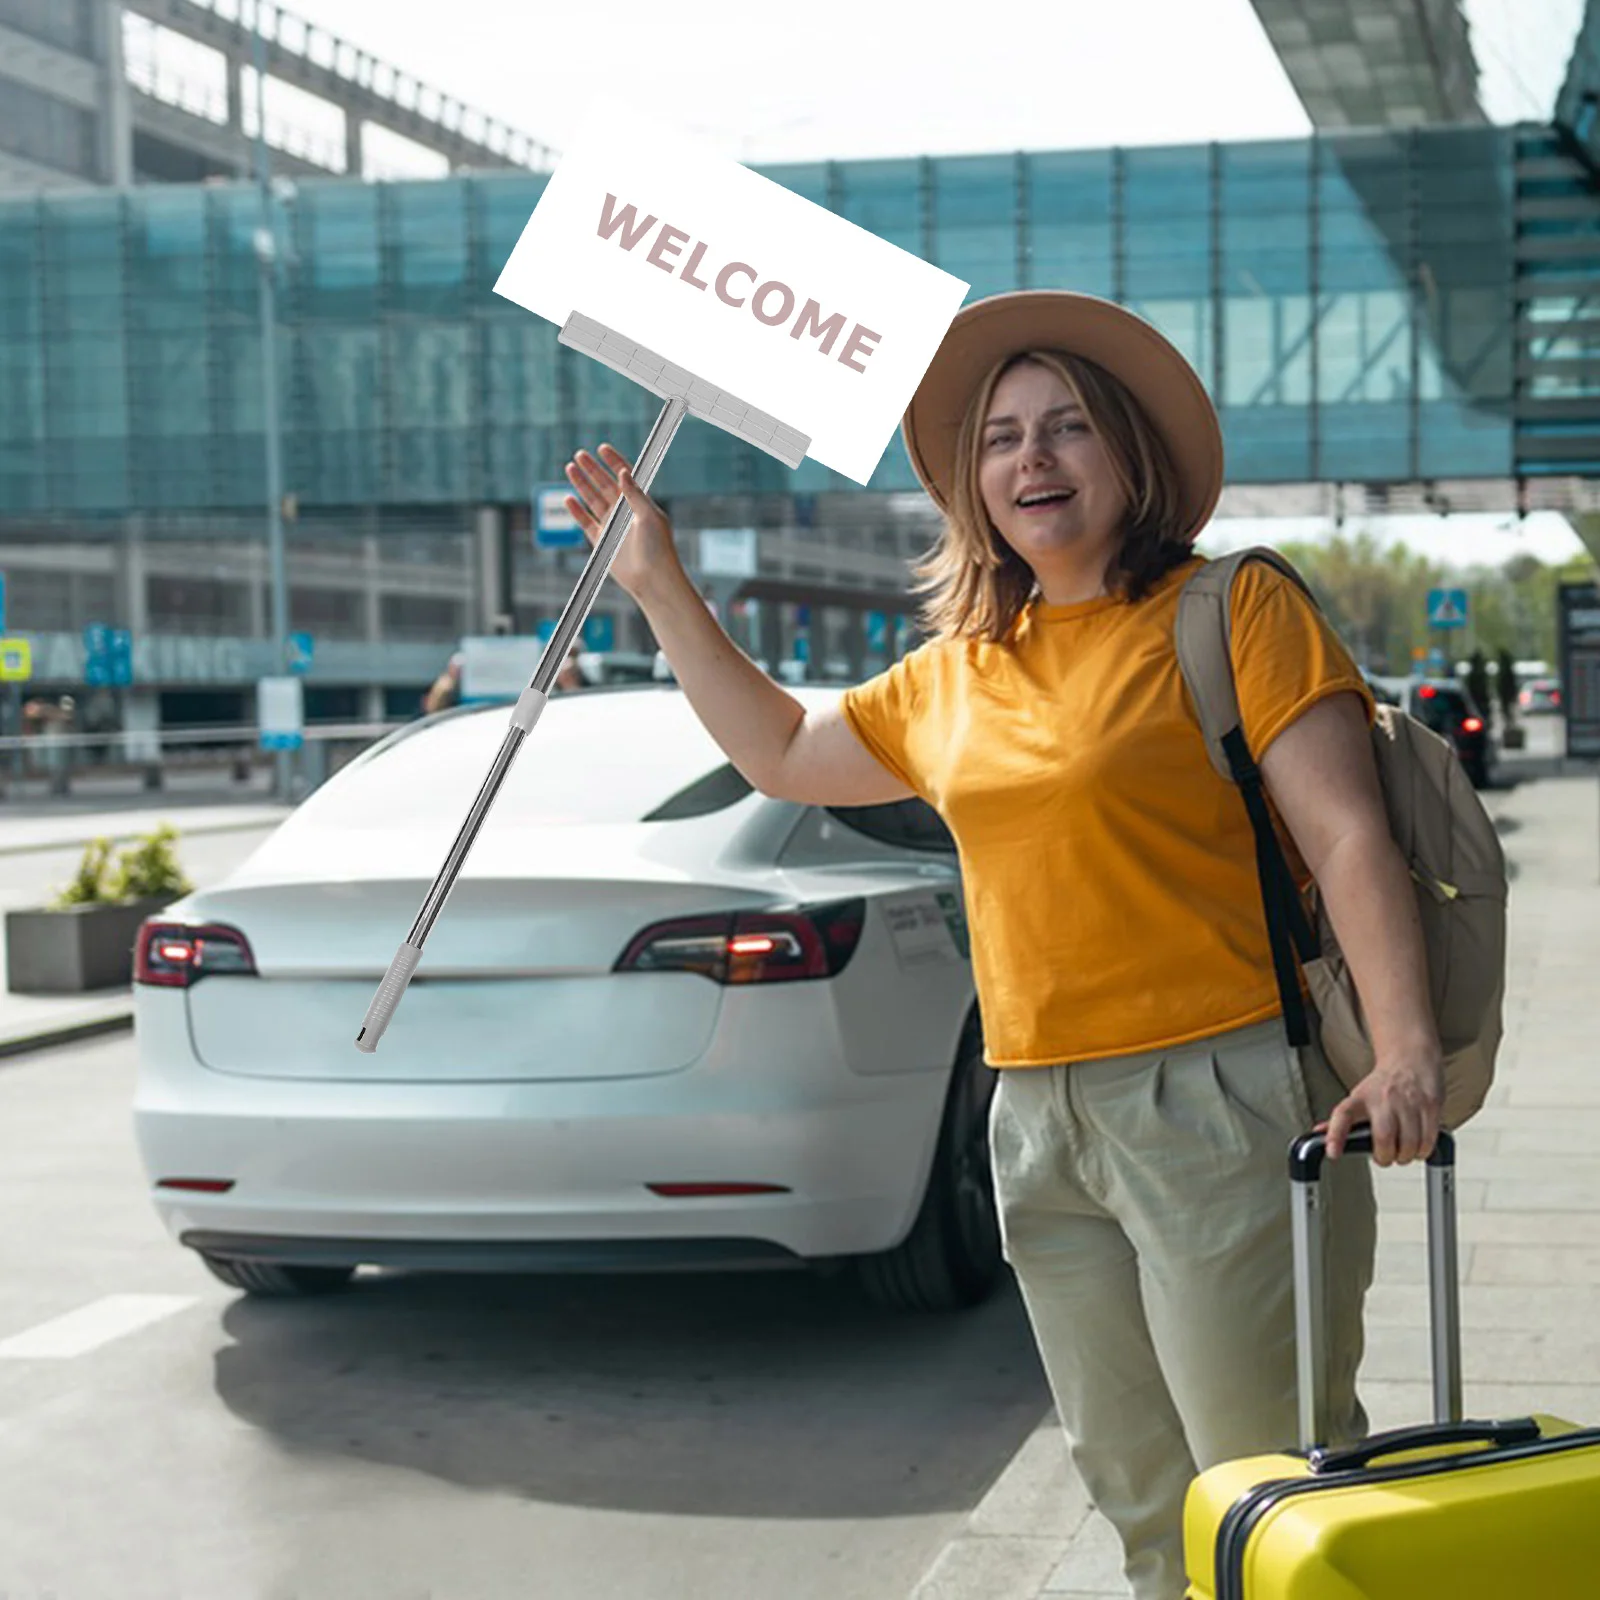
column 68, row 1033
column 45, row 846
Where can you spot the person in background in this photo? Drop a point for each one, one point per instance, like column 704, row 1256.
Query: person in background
column 446, row 689
column 571, row 674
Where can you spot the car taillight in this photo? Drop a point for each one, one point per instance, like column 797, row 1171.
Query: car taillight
column 1427, row 692
column 1472, row 724
column 752, row 946
column 174, row 955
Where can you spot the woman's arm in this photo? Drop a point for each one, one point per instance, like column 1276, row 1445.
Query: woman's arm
column 1323, row 779
column 781, row 748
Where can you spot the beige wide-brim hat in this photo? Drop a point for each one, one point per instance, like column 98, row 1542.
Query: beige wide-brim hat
column 1150, row 367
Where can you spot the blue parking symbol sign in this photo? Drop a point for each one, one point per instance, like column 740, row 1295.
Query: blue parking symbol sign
column 302, row 649
column 1447, row 608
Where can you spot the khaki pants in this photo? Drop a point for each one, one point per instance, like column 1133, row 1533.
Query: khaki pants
column 1144, row 1204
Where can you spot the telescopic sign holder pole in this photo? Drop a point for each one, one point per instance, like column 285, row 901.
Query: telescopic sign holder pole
column 682, row 393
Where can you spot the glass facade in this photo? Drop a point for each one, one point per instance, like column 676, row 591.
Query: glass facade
column 1349, row 300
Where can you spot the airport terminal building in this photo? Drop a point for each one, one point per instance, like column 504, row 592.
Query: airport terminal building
column 1401, row 311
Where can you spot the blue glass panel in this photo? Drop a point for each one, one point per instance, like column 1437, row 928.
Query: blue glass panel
column 1364, row 443
column 166, row 239
column 1069, row 224
column 1167, row 243
column 504, row 203
column 234, row 277
column 808, row 179
column 426, row 229
column 883, row 198
column 338, row 247
column 1265, row 349
column 975, row 218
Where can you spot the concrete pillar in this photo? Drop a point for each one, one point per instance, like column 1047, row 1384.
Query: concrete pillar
column 130, row 583
column 234, row 71
column 141, row 720
column 372, row 589
column 855, row 641
column 116, row 105
column 256, row 587
column 770, row 631
column 352, row 145
column 244, row 150
column 495, row 576
column 372, row 703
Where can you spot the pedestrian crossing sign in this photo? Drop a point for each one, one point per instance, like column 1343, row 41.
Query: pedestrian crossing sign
column 1447, row 608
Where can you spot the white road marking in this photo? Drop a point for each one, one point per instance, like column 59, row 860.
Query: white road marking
column 91, row 1326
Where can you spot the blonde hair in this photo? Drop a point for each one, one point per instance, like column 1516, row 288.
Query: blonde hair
column 975, row 584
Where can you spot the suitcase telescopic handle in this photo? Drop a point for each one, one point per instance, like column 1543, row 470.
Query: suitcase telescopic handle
column 1306, row 1157
column 1500, row 1435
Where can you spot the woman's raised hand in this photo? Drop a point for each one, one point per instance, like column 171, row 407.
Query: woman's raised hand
column 649, row 550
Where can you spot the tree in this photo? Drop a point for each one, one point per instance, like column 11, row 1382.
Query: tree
column 1376, row 596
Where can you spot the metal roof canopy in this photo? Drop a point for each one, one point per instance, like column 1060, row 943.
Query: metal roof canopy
column 1376, row 63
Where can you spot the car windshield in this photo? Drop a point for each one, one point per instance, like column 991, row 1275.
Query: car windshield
column 608, row 757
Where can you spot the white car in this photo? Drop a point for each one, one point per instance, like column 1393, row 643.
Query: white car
column 662, row 1020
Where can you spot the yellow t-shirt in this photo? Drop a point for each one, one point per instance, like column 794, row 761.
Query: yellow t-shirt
column 1109, row 869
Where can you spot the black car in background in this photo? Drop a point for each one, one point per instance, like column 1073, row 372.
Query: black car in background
column 1444, row 705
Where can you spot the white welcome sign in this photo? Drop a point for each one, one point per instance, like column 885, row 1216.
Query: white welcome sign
column 727, row 274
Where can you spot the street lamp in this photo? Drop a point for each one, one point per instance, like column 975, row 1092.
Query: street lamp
column 266, row 248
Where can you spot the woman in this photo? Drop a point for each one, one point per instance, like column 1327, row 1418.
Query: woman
column 1148, row 1094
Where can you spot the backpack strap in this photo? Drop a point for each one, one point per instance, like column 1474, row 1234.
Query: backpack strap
column 1203, row 634
column 1204, row 637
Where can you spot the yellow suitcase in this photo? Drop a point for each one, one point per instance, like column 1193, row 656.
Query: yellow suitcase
column 1458, row 1510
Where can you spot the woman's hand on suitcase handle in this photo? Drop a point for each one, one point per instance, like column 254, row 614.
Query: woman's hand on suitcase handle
column 1402, row 1098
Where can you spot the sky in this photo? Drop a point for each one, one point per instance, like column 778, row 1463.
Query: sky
column 851, row 79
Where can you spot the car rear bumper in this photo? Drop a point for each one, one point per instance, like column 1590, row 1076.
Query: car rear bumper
column 496, row 1255
column 431, row 1172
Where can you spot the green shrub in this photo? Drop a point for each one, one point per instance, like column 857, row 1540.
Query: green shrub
column 150, row 870
column 147, row 871
column 88, row 886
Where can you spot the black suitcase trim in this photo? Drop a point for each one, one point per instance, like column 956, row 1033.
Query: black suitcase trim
column 1245, row 1514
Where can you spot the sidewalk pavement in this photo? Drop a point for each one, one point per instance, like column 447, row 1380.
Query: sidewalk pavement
column 1529, row 1201
column 28, row 1022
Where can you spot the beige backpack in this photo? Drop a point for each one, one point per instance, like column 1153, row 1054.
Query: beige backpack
column 1445, row 837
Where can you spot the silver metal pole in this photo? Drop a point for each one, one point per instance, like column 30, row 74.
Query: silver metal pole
column 1444, row 1292
column 1311, row 1351
column 523, row 717
column 266, row 256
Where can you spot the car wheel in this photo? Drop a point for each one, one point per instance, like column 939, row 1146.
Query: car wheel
column 951, row 1258
column 273, row 1280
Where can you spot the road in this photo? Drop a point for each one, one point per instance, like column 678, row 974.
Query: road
column 440, row 1438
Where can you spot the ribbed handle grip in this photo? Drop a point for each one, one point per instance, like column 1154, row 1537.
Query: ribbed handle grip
column 388, row 996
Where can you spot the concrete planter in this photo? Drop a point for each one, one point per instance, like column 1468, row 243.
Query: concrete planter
column 74, row 950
